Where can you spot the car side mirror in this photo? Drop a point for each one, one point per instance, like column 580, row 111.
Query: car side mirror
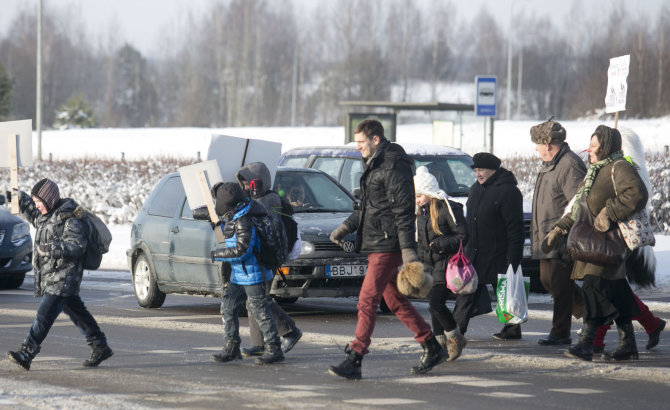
column 357, row 193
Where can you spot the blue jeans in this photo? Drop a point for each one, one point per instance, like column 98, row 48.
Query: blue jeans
column 51, row 306
column 233, row 299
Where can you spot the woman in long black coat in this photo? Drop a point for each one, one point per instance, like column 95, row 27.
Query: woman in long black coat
column 494, row 213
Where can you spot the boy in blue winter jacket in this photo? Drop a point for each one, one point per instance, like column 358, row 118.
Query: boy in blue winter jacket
column 248, row 279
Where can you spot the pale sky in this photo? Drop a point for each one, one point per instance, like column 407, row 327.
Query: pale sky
column 143, row 23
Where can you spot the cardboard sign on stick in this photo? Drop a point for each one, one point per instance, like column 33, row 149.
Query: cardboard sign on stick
column 198, row 180
column 231, row 153
column 617, row 84
column 22, row 128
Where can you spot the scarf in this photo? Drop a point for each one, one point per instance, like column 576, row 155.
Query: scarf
column 591, row 177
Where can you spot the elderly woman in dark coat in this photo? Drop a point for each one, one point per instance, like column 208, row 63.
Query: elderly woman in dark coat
column 607, row 295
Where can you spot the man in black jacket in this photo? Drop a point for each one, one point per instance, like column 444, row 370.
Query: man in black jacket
column 384, row 228
column 495, row 228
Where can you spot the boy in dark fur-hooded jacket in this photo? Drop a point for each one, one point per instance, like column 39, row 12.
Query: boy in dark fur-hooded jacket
column 249, row 279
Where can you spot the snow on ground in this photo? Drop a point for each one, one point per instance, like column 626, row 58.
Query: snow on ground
column 510, row 138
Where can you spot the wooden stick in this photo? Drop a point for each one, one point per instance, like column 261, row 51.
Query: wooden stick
column 616, row 119
column 204, row 186
column 14, row 171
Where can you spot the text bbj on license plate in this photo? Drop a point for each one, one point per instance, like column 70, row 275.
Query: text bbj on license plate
column 346, row 270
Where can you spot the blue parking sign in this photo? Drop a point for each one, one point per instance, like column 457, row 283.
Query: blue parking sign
column 485, row 100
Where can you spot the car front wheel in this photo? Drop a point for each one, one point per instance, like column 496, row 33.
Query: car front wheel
column 146, row 290
column 12, row 281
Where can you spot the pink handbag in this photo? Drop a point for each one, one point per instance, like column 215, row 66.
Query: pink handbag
column 460, row 275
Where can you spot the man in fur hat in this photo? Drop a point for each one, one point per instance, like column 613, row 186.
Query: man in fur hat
column 60, row 243
column 556, row 184
column 384, row 227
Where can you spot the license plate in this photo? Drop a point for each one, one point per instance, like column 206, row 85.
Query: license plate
column 340, row 271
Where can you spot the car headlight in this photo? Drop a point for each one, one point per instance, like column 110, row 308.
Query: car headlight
column 20, row 232
column 306, row 248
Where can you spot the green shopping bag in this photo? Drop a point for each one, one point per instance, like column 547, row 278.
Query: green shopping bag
column 512, row 297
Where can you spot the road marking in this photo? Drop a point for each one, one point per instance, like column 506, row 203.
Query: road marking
column 52, row 358
column 437, row 379
column 185, row 317
column 208, row 349
column 578, row 391
column 305, row 387
column 165, row 351
column 383, row 402
column 490, row 383
column 7, row 402
column 506, row 395
column 296, row 394
column 27, row 325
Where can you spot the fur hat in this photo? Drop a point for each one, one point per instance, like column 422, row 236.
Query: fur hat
column 425, row 183
column 485, row 160
column 549, row 132
column 413, row 281
column 228, row 195
column 46, row 191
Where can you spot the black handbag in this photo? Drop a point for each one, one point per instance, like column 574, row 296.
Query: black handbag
column 586, row 244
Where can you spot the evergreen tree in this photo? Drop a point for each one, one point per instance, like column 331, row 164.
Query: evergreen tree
column 5, row 93
column 75, row 113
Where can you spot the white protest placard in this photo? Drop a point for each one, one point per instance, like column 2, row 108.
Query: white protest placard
column 231, row 153
column 617, row 84
column 24, row 129
column 190, row 178
column 15, row 152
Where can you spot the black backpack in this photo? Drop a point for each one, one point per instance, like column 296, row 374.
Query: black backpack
column 98, row 237
column 272, row 235
column 290, row 225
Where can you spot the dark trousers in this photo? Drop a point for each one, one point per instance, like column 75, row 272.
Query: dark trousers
column 555, row 277
column 380, row 280
column 469, row 306
column 443, row 320
column 233, row 298
column 51, row 306
column 285, row 324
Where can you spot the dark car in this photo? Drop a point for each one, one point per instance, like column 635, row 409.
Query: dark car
column 170, row 250
column 450, row 166
column 16, row 249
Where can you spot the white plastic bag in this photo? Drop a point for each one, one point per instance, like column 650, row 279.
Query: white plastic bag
column 512, row 295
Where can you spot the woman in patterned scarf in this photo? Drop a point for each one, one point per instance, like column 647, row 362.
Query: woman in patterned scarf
column 607, row 295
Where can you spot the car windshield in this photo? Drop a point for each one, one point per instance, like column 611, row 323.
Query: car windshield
column 312, row 192
column 453, row 172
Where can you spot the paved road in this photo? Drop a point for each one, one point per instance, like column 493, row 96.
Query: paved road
column 162, row 360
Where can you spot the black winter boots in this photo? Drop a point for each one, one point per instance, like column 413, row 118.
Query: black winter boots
column 433, row 354
column 24, row 356
column 272, row 354
column 231, row 351
column 627, row 349
column 98, row 354
column 350, row 368
column 584, row 349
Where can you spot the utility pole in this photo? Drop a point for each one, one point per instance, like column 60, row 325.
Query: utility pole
column 38, row 115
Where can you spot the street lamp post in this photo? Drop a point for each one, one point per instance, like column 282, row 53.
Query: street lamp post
column 38, row 102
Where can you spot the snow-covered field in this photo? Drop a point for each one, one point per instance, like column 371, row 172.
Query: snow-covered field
column 511, row 139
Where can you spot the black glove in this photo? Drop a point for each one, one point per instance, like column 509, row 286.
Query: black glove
column 435, row 248
column 409, row 255
column 212, row 255
column 337, row 236
column 8, row 195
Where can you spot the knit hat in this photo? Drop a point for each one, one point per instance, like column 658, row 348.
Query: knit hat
column 485, row 160
column 549, row 132
column 46, row 191
column 228, row 195
column 425, row 183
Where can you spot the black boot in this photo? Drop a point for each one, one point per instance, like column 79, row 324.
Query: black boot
column 24, row 356
column 584, row 349
column 273, row 354
column 253, row 351
column 350, row 368
column 433, row 354
column 655, row 335
column 627, row 349
column 98, row 354
column 231, row 351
